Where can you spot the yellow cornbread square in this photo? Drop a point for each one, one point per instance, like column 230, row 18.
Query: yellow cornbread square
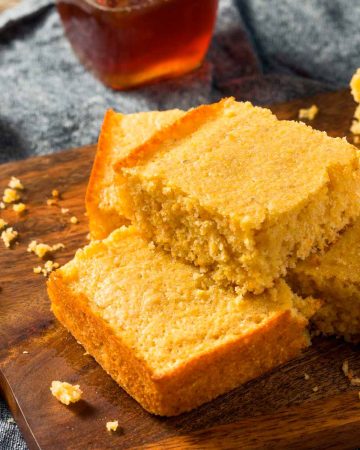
column 120, row 134
column 335, row 277
column 164, row 331
column 233, row 190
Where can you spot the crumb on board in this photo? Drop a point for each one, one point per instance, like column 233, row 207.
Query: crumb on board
column 8, row 236
column 64, row 210
column 308, row 113
column 49, row 266
column 3, row 224
column 315, row 388
column 345, row 367
column 41, row 250
column 356, row 139
column 19, row 207
column 2, row 205
column 74, row 220
column 25, row 352
column 355, row 381
column 10, row 195
column 65, row 392
column 52, row 201
column 88, row 237
column 55, row 193
column 15, row 183
column 112, row 425
column 306, row 376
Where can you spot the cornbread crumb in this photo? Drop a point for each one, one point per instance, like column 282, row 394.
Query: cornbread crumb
column 25, row 352
column 65, row 392
column 64, row 210
column 52, row 201
column 315, row 388
column 2, row 205
column 306, row 376
column 19, row 207
column 355, row 381
column 345, row 368
column 3, row 224
column 41, row 250
column 49, row 266
column 15, row 183
column 112, row 426
column 355, row 86
column 37, row 269
column 55, row 193
column 74, row 220
column 8, row 236
column 308, row 113
column 88, row 237
column 356, row 139
column 10, row 420
column 10, row 196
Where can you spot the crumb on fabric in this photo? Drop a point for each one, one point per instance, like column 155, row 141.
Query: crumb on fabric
column 41, row 250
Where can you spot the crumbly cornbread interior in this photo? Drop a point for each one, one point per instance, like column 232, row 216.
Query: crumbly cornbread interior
column 120, row 134
column 334, row 277
column 237, row 192
column 166, row 311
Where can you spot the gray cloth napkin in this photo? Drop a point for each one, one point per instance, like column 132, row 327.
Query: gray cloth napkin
column 265, row 51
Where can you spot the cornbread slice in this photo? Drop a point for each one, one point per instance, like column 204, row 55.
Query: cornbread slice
column 120, row 134
column 335, row 277
column 164, row 331
column 232, row 189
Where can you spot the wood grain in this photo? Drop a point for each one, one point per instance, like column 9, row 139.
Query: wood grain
column 279, row 410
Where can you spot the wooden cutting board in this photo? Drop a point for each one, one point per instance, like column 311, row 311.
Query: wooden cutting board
column 280, row 410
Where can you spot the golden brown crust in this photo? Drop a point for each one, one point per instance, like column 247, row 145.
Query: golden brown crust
column 102, row 223
column 187, row 386
column 181, row 127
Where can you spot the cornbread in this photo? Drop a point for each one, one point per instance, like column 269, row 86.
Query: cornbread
column 233, row 190
column 164, row 331
column 335, row 278
column 120, row 134
column 355, row 86
column 65, row 392
column 308, row 113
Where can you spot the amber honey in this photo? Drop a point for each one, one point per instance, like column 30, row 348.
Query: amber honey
column 127, row 43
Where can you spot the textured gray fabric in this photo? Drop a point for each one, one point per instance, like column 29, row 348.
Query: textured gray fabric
column 263, row 50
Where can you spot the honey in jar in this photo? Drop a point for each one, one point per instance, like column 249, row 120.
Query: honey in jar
column 126, row 43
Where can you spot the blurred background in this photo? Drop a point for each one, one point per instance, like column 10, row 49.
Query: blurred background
column 58, row 75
